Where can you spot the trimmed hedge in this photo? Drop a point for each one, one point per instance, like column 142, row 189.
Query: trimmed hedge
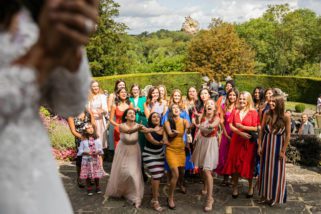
column 299, row 89
column 172, row 80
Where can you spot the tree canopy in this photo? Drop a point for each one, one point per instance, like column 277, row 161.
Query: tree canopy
column 219, row 52
column 280, row 42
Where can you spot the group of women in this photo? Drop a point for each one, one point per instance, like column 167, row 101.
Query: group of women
column 239, row 135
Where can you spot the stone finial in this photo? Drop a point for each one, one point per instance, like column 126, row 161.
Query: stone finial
column 190, row 26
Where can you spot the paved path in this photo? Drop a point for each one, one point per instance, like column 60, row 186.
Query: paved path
column 304, row 196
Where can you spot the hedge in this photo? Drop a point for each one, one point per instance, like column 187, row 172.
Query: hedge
column 299, row 89
column 172, row 80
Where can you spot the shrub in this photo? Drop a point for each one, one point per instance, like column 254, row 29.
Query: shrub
column 62, row 141
column 299, row 108
column 60, row 135
column 308, row 150
column 172, row 80
column 299, row 89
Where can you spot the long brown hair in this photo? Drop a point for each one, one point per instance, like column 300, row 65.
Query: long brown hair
column 150, row 97
column 227, row 101
column 181, row 102
column 118, row 99
column 205, row 111
column 278, row 112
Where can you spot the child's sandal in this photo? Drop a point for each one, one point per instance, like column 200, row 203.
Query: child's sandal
column 156, row 206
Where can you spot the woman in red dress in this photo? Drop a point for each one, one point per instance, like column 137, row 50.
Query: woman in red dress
column 121, row 104
column 241, row 156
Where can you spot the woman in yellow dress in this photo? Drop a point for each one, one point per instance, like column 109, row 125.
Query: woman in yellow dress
column 175, row 150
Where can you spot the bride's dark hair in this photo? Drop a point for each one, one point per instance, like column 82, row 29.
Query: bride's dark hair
column 7, row 10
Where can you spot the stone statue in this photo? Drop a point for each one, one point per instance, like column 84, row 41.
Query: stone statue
column 190, row 26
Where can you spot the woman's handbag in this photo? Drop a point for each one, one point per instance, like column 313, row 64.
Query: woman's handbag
column 254, row 136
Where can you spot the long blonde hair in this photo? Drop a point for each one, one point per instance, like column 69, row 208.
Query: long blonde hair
column 249, row 100
column 91, row 94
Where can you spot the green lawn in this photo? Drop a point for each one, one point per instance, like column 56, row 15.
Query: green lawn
column 291, row 105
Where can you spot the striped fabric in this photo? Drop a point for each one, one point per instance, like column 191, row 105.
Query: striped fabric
column 154, row 160
column 272, row 184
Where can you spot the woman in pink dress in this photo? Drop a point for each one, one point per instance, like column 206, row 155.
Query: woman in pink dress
column 121, row 104
column 225, row 113
column 126, row 179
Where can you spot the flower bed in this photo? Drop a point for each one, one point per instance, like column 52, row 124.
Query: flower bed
column 62, row 141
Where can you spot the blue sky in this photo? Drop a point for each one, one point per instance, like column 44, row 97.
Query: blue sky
column 152, row 15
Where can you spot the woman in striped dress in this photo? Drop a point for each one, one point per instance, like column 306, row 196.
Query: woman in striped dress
column 276, row 136
column 153, row 156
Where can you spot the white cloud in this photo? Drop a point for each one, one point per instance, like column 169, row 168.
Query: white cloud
column 152, row 15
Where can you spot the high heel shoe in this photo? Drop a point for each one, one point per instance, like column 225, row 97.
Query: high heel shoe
column 272, row 203
column 248, row 195
column 209, row 205
column 234, row 196
column 262, row 201
column 169, row 206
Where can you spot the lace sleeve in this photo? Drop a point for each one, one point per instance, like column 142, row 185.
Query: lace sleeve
column 66, row 93
column 18, row 91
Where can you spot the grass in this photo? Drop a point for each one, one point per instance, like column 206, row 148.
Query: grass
column 291, row 105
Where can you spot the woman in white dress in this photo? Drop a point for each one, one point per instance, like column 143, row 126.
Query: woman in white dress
column 97, row 105
column 205, row 155
column 31, row 72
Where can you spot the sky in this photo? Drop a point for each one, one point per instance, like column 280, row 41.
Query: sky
column 153, row 15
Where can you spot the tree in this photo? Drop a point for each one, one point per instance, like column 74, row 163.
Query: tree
column 219, row 52
column 108, row 46
column 286, row 42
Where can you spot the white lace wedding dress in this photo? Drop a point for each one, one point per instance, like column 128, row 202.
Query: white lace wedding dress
column 29, row 180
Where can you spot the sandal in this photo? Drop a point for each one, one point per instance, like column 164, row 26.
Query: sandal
column 209, row 205
column 203, row 192
column 80, row 184
column 182, row 189
column 156, row 206
column 169, row 206
column 224, row 183
column 262, row 201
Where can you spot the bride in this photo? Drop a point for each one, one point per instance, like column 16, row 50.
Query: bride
column 41, row 62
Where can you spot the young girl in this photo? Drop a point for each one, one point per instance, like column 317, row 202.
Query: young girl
column 205, row 155
column 175, row 151
column 91, row 150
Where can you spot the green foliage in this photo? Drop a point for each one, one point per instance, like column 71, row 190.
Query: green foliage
column 43, row 111
column 172, row 80
column 286, row 42
column 309, row 149
column 162, row 51
column 60, row 135
column 299, row 89
column 299, row 108
column 219, row 52
column 108, row 46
